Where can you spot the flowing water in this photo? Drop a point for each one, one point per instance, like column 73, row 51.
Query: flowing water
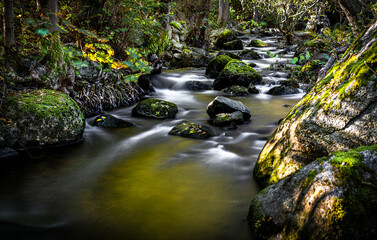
column 140, row 182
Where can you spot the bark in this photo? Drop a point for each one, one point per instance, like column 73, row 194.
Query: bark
column 9, row 36
column 223, row 13
column 51, row 7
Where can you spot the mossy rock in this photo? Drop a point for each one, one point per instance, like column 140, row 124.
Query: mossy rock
column 155, row 108
column 233, row 45
column 230, row 54
column 252, row 89
column 226, row 119
column 236, row 90
column 43, row 118
column 292, row 83
column 236, row 73
column 109, row 121
column 217, row 65
column 282, row 90
column 191, row 130
column 249, row 54
column 331, row 198
column 225, row 105
column 224, row 37
column 176, row 25
column 338, row 113
column 257, row 43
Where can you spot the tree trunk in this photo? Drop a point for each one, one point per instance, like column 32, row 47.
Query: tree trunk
column 51, row 8
column 351, row 9
column 9, row 36
column 223, row 13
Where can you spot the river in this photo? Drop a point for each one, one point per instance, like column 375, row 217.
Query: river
column 140, row 182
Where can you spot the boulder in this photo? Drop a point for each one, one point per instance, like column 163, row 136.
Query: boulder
column 338, row 113
column 252, row 89
column 257, row 43
column 41, row 118
column 217, row 64
column 236, row 90
column 109, row 121
column 226, row 119
column 224, row 37
column 7, row 153
column 225, row 105
column 233, row 45
column 292, row 83
column 249, row 54
column 191, row 130
column 236, row 73
column 331, row 198
column 155, row 108
column 191, row 57
column 282, row 90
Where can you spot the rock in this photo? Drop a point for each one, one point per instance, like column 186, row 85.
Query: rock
column 233, row 45
column 225, row 105
column 224, row 37
column 7, row 153
column 252, row 64
column 109, row 121
column 282, row 90
column 42, row 118
column 236, row 73
column 338, row 113
column 226, row 119
column 191, row 130
column 88, row 72
column 236, row 90
column 249, row 54
column 257, row 43
column 217, row 64
column 145, row 84
column 155, row 108
column 192, row 57
column 331, row 198
column 252, row 89
column 198, row 85
column 230, row 54
column 292, row 83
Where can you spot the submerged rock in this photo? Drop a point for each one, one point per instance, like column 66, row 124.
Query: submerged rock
column 225, row 105
column 41, row 118
column 191, row 130
column 338, row 113
column 282, row 90
column 198, row 85
column 155, row 108
column 236, row 73
column 217, row 64
column 109, row 121
column 226, row 119
column 330, row 198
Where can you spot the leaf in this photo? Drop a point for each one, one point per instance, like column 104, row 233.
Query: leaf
column 43, row 32
column 302, row 57
column 294, row 60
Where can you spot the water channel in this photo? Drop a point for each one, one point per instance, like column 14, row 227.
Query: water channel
column 140, row 182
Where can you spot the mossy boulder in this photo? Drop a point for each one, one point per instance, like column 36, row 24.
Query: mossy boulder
column 293, row 83
column 230, row 54
column 226, row 119
column 282, row 90
column 233, row 45
column 191, row 130
column 249, row 54
column 311, row 66
column 339, row 112
column 109, row 121
column 236, row 73
column 224, row 37
column 198, row 85
column 155, row 108
column 257, row 43
column 331, row 198
column 217, row 64
column 225, row 105
column 252, row 89
column 236, row 90
column 41, row 118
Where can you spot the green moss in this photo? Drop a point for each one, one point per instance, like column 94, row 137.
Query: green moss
column 238, row 67
column 311, row 65
column 257, row 43
column 226, row 34
column 310, row 178
column 176, row 25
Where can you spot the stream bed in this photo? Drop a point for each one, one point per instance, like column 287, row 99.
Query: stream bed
column 140, row 182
